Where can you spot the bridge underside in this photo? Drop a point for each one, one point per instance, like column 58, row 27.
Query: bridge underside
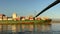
column 51, row 5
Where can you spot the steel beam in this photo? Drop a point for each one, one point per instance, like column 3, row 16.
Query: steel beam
column 51, row 5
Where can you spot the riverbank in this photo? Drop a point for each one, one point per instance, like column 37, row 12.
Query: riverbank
column 25, row 22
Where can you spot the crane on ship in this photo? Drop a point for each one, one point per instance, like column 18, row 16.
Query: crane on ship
column 48, row 7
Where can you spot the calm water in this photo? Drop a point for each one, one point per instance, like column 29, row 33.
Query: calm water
column 54, row 28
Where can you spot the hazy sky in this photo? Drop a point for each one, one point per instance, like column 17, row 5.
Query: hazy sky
column 29, row 7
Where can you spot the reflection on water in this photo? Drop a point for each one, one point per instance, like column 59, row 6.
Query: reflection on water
column 54, row 28
column 24, row 27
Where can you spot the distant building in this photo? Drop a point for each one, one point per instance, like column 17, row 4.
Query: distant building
column 38, row 18
column 27, row 18
column 5, row 18
column 31, row 18
column 18, row 18
column 44, row 18
column 10, row 18
column 14, row 16
column 22, row 18
column 1, row 16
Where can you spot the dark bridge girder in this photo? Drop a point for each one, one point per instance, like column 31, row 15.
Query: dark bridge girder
column 51, row 5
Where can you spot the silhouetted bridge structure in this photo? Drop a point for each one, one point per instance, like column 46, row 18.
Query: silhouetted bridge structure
column 19, row 27
column 51, row 5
